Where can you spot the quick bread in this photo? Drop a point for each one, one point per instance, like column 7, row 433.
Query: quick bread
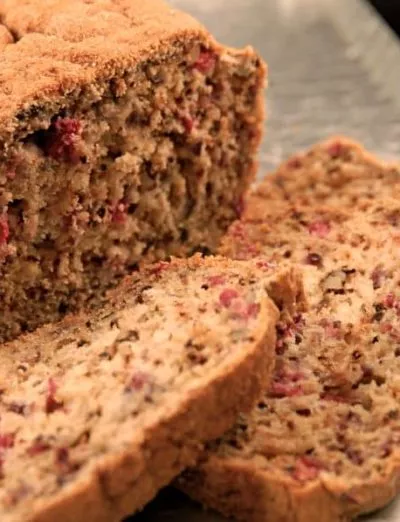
column 126, row 133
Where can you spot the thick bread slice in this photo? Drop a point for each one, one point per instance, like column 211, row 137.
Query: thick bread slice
column 99, row 412
column 324, row 443
column 337, row 172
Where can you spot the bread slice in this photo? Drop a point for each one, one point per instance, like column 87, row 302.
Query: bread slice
column 323, row 445
column 336, row 172
column 99, row 412
column 126, row 132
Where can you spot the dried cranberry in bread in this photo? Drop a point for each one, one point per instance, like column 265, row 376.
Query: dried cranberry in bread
column 337, row 172
column 100, row 411
column 126, row 132
column 323, row 445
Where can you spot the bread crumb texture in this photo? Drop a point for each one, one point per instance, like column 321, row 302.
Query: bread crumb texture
column 98, row 412
column 323, row 444
column 126, row 133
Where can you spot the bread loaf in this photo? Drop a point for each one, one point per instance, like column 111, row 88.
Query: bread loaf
column 126, row 133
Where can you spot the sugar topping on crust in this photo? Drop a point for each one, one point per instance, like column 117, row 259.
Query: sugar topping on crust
column 65, row 46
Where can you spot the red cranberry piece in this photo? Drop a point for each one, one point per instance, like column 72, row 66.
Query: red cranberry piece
column 298, row 319
column 206, row 62
column 385, row 327
column 253, row 310
column 283, row 329
column 227, row 296
column 138, row 381
column 289, row 375
column 286, row 383
column 319, row 228
column 294, row 163
column 238, row 230
column 62, row 139
column 216, row 280
column 279, row 390
column 39, row 446
column 6, row 441
column 307, row 468
column 333, row 329
column 335, row 149
column 188, row 123
column 244, row 310
column 4, row 229
column 119, row 213
column 52, row 404
column 389, row 301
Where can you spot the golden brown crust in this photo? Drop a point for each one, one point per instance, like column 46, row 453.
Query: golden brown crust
column 66, row 46
column 243, row 491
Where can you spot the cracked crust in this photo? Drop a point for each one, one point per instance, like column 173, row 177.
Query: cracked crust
column 82, row 465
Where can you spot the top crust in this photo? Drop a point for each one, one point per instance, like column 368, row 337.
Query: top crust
column 64, row 46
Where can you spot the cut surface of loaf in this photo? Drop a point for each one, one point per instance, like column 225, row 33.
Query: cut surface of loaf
column 98, row 412
column 337, row 172
column 323, row 444
column 126, row 132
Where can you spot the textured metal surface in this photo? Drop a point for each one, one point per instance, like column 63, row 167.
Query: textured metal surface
column 334, row 68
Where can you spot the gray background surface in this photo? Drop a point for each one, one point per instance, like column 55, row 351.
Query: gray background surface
column 334, row 68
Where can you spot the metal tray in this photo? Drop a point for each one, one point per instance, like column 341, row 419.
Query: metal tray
column 334, row 68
